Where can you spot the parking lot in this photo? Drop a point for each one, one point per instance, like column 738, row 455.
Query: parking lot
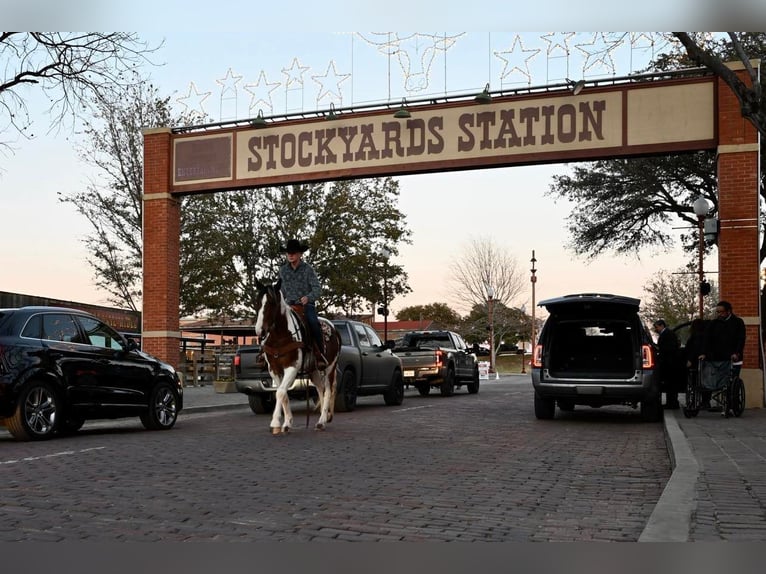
column 461, row 468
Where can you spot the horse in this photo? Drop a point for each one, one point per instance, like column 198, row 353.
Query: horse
column 287, row 354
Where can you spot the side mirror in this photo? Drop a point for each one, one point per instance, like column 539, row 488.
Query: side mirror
column 131, row 345
column 390, row 344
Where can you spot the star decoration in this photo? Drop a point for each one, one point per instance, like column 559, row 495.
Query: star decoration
column 195, row 101
column 294, row 74
column 329, row 85
column 598, row 52
column 555, row 46
column 229, row 82
column 261, row 92
column 517, row 45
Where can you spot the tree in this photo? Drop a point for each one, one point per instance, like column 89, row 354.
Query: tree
column 674, row 297
column 484, row 264
column 439, row 313
column 628, row 204
column 113, row 203
column 345, row 223
column 72, row 70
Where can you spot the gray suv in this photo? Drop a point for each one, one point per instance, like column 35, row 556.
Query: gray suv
column 594, row 350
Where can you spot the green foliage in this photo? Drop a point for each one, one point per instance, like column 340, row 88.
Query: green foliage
column 439, row 313
column 231, row 239
column 674, row 298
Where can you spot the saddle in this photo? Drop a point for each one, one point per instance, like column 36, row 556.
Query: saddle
column 308, row 337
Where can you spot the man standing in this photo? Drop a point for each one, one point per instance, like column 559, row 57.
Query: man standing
column 668, row 362
column 725, row 337
column 300, row 286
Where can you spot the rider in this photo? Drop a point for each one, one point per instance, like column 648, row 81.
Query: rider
column 300, row 285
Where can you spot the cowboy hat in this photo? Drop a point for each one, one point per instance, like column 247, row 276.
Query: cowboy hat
column 294, row 246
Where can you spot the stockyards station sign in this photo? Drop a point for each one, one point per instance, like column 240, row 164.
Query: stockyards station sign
column 549, row 127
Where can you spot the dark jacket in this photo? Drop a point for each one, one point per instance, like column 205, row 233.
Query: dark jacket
column 669, row 358
column 725, row 337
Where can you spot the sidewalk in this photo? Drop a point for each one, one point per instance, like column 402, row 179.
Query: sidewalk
column 717, row 491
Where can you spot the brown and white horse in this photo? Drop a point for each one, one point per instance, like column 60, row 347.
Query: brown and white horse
column 287, row 355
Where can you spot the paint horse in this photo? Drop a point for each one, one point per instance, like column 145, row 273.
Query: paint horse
column 288, row 354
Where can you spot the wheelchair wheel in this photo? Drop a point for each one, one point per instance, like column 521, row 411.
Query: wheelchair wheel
column 693, row 397
column 736, row 398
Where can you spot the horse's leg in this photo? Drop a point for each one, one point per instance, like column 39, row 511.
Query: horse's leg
column 276, row 416
column 320, row 382
column 331, row 390
column 291, row 373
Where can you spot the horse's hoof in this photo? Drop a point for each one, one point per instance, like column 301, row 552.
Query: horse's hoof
column 276, row 430
column 285, row 430
column 319, row 426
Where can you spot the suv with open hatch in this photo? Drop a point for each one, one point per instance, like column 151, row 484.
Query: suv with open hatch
column 60, row 367
column 594, row 350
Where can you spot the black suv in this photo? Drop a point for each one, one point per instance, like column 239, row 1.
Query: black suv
column 594, row 350
column 60, row 367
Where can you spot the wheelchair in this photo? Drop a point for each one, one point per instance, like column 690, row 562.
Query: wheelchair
column 721, row 380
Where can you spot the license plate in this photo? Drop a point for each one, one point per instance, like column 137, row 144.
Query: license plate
column 410, row 374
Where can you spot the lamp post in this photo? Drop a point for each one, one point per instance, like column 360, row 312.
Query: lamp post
column 385, row 253
column 533, row 280
column 701, row 208
column 490, row 310
column 523, row 310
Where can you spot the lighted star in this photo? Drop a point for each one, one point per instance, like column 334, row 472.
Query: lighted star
column 518, row 48
column 558, row 43
column 329, row 83
column 229, row 82
column 294, row 74
column 598, row 50
column 194, row 101
column 261, row 92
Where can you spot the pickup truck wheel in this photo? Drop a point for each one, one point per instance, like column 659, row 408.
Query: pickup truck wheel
column 424, row 389
column 473, row 386
column 262, row 404
column 544, row 408
column 345, row 396
column 448, row 385
column 394, row 395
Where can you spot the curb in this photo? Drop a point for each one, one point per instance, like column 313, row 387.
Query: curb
column 670, row 520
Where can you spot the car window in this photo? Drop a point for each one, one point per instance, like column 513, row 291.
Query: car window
column 373, row 337
column 364, row 341
column 34, row 327
column 460, row 343
column 60, row 327
column 100, row 334
column 345, row 336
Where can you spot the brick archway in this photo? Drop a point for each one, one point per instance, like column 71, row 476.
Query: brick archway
column 670, row 113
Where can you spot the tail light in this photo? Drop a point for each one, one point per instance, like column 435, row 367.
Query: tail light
column 439, row 358
column 537, row 357
column 237, row 362
column 647, row 357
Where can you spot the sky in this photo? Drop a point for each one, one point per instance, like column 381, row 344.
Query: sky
column 293, row 69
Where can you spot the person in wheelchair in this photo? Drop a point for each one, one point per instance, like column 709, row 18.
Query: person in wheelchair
column 724, row 345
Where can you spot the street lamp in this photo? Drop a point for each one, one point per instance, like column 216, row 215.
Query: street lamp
column 701, row 208
column 533, row 279
column 523, row 310
column 490, row 306
column 385, row 253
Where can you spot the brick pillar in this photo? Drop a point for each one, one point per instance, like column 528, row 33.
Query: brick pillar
column 739, row 216
column 162, row 230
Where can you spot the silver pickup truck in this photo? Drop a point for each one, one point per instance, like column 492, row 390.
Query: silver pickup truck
column 437, row 359
column 365, row 367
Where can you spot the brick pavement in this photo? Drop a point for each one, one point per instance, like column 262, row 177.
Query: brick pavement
column 718, row 488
